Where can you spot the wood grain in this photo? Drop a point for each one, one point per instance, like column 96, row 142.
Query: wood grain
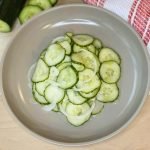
column 13, row 137
column 135, row 137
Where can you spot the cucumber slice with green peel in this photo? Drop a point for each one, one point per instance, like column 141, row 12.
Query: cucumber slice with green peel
column 54, row 72
column 67, row 77
column 108, row 93
column 28, row 12
column 75, row 98
column 97, row 43
column 66, row 59
column 78, row 66
column 64, row 102
column 91, row 101
column 58, row 39
column 9, row 11
column 4, row 27
column 88, row 59
column 63, row 65
column 53, row 2
column 89, row 95
column 67, row 38
column 38, row 98
column 49, row 107
column 110, row 71
column 78, row 121
column 66, row 45
column 75, row 113
column 69, row 34
column 99, row 106
column 44, row 4
column 54, row 54
column 91, row 48
column 61, row 39
column 97, row 52
column 107, row 54
column 77, row 110
column 41, row 72
column 54, row 94
column 82, row 39
column 92, row 84
column 41, row 86
column 42, row 55
column 56, row 109
column 77, row 48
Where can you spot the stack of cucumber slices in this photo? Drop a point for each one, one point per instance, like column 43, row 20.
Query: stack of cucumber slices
column 76, row 76
column 34, row 7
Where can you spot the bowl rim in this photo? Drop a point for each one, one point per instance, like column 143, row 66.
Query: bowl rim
column 78, row 143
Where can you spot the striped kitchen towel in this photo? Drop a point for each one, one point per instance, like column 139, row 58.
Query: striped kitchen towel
column 136, row 12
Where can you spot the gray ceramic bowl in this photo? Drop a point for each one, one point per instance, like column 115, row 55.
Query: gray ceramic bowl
column 36, row 35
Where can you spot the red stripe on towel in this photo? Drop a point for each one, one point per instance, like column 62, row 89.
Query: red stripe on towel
column 132, row 10
column 141, row 18
column 99, row 3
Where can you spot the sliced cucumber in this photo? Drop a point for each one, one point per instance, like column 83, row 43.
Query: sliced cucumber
column 63, row 65
column 110, row 71
column 9, row 11
column 97, row 43
column 78, row 66
column 91, row 94
column 75, row 111
column 97, row 52
column 54, row 94
column 41, row 71
column 69, row 34
column 67, row 77
column 91, row 101
column 107, row 54
column 49, row 107
column 4, row 27
column 108, row 92
column 53, row 2
column 56, row 109
column 44, row 4
column 89, row 86
column 66, row 45
column 41, row 86
column 58, row 39
column 61, row 39
column 28, row 12
column 40, row 99
column 67, row 38
column 75, row 98
column 82, row 39
column 86, row 58
column 54, row 54
column 66, row 59
column 99, row 106
column 42, row 55
column 64, row 102
column 77, row 48
column 54, row 72
column 91, row 48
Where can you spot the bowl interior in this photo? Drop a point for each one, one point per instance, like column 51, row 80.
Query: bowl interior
column 37, row 34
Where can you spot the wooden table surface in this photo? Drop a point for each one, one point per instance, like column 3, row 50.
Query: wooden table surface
column 12, row 137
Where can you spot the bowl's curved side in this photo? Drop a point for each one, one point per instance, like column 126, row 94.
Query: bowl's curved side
column 89, row 9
